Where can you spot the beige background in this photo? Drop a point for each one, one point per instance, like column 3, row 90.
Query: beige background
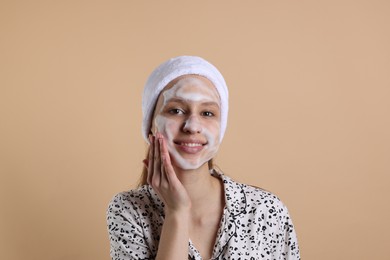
column 309, row 114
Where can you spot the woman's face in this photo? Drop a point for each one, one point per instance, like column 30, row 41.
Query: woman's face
column 187, row 113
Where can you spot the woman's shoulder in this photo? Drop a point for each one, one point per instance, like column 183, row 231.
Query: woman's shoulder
column 260, row 193
column 256, row 196
column 260, row 196
column 131, row 195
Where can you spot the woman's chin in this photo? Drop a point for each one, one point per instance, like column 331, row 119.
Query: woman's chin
column 188, row 165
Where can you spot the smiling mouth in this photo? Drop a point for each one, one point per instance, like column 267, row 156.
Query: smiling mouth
column 190, row 147
column 190, row 144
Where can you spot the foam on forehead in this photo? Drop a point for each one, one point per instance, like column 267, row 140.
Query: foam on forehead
column 172, row 69
column 180, row 89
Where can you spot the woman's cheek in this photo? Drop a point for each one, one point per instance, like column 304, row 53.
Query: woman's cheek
column 213, row 133
column 169, row 130
column 166, row 127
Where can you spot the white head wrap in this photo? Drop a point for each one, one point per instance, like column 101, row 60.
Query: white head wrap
column 170, row 70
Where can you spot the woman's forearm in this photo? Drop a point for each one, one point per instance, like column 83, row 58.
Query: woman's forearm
column 174, row 237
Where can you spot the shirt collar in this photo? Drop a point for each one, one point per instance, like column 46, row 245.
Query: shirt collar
column 235, row 199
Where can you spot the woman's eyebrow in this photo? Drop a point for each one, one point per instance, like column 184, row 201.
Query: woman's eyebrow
column 183, row 101
column 210, row 103
column 178, row 100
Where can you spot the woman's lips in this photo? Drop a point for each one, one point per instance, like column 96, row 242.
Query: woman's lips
column 190, row 147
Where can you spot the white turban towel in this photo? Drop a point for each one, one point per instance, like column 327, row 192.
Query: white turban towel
column 170, row 70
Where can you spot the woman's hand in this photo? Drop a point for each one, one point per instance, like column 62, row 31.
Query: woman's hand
column 163, row 179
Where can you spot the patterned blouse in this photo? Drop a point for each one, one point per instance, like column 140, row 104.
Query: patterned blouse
column 255, row 225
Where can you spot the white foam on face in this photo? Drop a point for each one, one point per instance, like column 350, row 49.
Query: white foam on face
column 191, row 89
column 167, row 129
column 177, row 91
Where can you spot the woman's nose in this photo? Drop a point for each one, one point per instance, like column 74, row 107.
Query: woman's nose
column 192, row 125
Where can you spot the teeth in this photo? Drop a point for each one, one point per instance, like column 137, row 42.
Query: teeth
column 191, row 144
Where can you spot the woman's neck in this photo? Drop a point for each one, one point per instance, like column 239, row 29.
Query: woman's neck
column 203, row 188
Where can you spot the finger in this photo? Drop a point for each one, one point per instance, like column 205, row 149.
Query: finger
column 150, row 160
column 168, row 168
column 164, row 178
column 156, row 164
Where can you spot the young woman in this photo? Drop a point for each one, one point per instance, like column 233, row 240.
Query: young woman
column 184, row 208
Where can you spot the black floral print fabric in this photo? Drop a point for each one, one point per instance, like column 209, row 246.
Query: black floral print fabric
column 255, row 225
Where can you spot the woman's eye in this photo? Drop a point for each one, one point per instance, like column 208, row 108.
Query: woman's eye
column 175, row 111
column 208, row 113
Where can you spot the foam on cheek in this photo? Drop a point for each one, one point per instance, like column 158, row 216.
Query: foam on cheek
column 167, row 128
column 212, row 144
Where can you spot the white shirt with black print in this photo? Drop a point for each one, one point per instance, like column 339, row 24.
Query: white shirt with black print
column 255, row 225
